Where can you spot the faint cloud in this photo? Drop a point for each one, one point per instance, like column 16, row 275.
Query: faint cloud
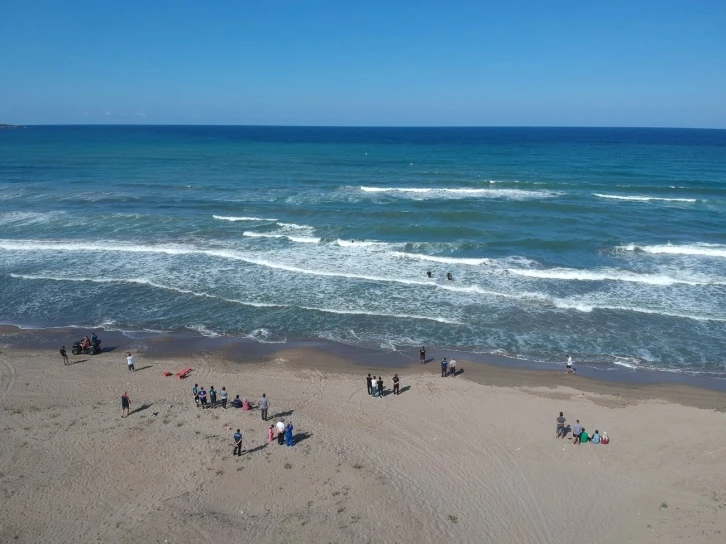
column 86, row 114
column 140, row 114
column 108, row 114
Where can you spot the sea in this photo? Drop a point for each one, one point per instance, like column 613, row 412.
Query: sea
column 607, row 244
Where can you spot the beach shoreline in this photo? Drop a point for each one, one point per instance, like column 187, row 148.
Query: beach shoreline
column 322, row 355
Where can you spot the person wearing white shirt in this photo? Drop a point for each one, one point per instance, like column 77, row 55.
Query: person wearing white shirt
column 452, row 368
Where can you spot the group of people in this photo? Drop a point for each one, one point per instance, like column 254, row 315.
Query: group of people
column 449, row 276
column 208, row 399
column 448, row 368
column 375, row 385
column 284, row 435
column 579, row 434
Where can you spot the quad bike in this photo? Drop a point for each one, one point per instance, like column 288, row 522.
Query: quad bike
column 92, row 349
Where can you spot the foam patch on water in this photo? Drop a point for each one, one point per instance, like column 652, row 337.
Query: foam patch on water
column 299, row 239
column 706, row 250
column 645, row 198
column 454, row 193
column 439, row 259
column 236, row 219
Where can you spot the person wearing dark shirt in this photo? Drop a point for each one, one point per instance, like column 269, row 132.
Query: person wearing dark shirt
column 444, row 364
column 64, row 355
column 422, row 355
column 237, row 443
column 395, row 384
column 380, row 387
column 368, row 383
column 236, row 402
column 213, row 396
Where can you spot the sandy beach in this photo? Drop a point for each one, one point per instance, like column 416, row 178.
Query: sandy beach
column 466, row 459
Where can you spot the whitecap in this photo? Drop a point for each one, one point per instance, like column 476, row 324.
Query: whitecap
column 235, row 219
column 645, row 198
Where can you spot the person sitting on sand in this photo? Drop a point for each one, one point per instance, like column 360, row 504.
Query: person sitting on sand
column 604, row 438
column 246, row 405
column 576, row 430
column 236, row 402
column 595, row 438
column 584, row 437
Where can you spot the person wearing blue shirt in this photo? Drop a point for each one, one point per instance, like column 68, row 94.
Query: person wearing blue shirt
column 237, row 443
column 595, row 438
column 288, row 435
column 444, row 364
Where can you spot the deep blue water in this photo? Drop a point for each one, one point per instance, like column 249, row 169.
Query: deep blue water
column 609, row 244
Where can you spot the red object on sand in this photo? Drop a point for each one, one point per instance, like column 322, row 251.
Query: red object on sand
column 183, row 373
column 166, row 373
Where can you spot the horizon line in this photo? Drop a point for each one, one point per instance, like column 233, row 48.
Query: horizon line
column 21, row 125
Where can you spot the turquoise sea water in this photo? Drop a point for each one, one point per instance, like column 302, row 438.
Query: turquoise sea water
column 609, row 244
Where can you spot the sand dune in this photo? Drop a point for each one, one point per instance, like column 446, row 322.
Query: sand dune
column 447, row 460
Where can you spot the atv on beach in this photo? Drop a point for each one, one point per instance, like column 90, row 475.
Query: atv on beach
column 92, row 349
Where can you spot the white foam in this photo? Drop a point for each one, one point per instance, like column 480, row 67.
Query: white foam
column 438, row 259
column 359, row 243
column 299, row 239
column 459, row 192
column 706, row 250
column 364, row 312
column 234, row 219
column 204, row 331
column 295, row 226
column 261, row 335
column 645, row 198
column 602, row 275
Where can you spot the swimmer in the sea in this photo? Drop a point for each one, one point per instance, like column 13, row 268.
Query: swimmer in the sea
column 428, row 273
column 449, row 276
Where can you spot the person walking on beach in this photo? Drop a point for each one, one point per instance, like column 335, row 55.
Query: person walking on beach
column 568, row 365
column 223, row 396
column 395, row 384
column 444, row 364
column 422, row 355
column 264, row 405
column 195, row 392
column 368, row 383
column 271, row 433
column 64, row 355
column 452, row 368
column 213, row 396
column 561, row 426
column 380, row 387
column 130, row 361
column 237, row 443
column 125, row 404
column 280, row 425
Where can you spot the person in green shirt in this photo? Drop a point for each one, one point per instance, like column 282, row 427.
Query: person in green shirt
column 584, row 437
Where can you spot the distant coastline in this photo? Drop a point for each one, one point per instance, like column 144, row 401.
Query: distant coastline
column 5, row 126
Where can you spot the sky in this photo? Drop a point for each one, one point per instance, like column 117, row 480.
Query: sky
column 380, row 63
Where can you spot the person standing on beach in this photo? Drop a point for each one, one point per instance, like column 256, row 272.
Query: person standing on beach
column 271, row 433
column 422, row 355
column 374, row 387
column 280, row 425
column 380, row 387
column 561, row 426
column 368, row 382
column 444, row 364
column 395, row 384
column 213, row 396
column 264, row 405
column 64, row 355
column 237, row 443
column 576, row 430
column 289, row 442
column 452, row 368
column 130, row 361
column 202, row 397
column 195, row 392
column 125, row 404
column 223, row 395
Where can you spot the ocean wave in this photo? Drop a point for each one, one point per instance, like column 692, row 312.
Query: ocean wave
column 143, row 281
column 587, row 308
column 706, row 250
column 28, row 218
column 645, row 198
column 263, row 335
column 378, row 314
column 605, row 275
column 295, row 226
column 360, row 243
column 438, row 259
column 204, row 331
column 459, row 192
column 235, row 219
column 299, row 239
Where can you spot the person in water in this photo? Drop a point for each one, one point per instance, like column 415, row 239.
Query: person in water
column 449, row 276
column 428, row 273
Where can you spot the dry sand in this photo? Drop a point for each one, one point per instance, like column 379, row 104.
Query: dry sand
column 449, row 459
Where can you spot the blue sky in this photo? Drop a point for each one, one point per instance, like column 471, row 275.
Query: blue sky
column 637, row 63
